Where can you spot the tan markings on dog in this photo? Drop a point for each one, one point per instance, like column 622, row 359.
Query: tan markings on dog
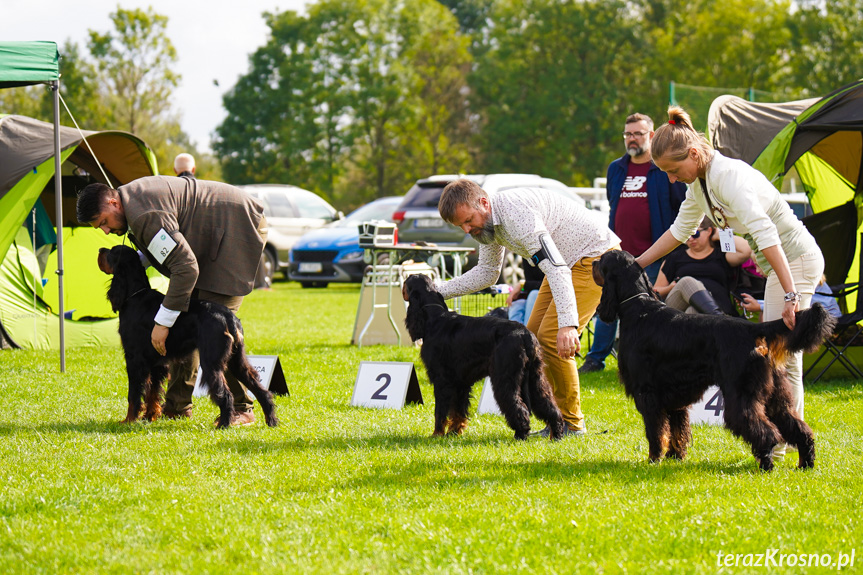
column 778, row 352
column 761, row 347
column 457, row 425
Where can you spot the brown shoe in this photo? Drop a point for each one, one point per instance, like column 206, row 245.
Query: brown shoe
column 182, row 414
column 240, row 419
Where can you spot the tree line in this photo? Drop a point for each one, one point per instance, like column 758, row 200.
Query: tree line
column 356, row 99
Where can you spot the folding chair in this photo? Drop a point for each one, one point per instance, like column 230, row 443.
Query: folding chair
column 847, row 332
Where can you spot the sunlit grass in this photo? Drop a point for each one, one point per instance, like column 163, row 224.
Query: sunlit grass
column 339, row 489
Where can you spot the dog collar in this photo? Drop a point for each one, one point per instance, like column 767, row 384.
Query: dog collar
column 436, row 305
column 633, row 297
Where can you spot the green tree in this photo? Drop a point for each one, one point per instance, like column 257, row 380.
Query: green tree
column 827, row 40
column 355, row 100
column 552, row 85
column 134, row 64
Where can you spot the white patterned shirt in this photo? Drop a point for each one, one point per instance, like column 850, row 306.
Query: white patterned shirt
column 520, row 216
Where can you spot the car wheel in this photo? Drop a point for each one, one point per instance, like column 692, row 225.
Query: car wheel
column 314, row 284
column 512, row 272
column 266, row 270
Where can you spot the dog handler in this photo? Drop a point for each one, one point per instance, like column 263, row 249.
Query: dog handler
column 737, row 198
column 560, row 237
column 206, row 237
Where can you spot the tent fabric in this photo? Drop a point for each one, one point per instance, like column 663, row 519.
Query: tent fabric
column 762, row 121
column 28, row 315
column 27, row 63
column 823, row 143
column 27, row 320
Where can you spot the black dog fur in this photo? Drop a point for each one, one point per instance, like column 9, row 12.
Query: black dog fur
column 210, row 328
column 458, row 351
column 668, row 359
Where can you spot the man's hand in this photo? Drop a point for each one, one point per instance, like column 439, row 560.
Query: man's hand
column 567, row 342
column 158, row 337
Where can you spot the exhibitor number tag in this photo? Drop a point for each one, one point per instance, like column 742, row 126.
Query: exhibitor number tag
column 726, row 241
column 161, row 245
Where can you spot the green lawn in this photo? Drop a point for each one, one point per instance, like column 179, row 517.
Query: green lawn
column 338, row 489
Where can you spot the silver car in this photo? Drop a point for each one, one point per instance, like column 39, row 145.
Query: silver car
column 290, row 212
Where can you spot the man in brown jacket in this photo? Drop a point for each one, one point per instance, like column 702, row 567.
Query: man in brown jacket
column 206, row 237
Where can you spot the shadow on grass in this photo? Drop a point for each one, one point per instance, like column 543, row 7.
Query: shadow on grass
column 111, row 426
column 429, row 458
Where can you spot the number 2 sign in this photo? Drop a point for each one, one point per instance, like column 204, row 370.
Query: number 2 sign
column 388, row 384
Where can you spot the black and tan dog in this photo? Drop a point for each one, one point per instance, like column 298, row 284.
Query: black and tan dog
column 668, row 359
column 458, row 351
column 210, row 328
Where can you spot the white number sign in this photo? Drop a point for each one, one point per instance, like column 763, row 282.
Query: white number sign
column 487, row 403
column 269, row 370
column 710, row 409
column 387, row 384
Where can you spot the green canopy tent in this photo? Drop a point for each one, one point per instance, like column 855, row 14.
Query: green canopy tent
column 31, row 154
column 820, row 139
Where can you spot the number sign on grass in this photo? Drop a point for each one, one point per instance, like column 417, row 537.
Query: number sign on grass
column 487, row 403
column 710, row 409
column 269, row 370
column 388, row 384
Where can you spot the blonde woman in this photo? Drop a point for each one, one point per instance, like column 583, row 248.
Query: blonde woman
column 738, row 199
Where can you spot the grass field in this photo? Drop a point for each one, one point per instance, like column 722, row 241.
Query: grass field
column 338, row 489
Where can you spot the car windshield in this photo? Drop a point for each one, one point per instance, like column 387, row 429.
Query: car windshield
column 280, row 206
column 378, row 210
column 311, row 206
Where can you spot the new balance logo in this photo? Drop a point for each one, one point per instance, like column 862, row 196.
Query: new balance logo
column 632, row 184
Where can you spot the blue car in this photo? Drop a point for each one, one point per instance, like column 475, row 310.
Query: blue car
column 332, row 253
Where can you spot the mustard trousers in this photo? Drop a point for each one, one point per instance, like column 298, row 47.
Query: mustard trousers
column 562, row 374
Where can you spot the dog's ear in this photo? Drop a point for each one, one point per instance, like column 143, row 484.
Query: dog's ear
column 609, row 301
column 415, row 320
column 118, row 291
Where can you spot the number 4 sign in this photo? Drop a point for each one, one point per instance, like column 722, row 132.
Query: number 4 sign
column 388, row 384
column 710, row 409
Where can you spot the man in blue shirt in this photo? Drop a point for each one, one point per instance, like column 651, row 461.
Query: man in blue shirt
column 643, row 204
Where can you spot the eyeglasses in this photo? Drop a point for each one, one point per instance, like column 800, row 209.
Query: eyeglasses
column 698, row 232
column 628, row 135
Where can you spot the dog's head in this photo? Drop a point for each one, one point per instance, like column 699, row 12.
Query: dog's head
column 621, row 278
column 419, row 291
column 129, row 277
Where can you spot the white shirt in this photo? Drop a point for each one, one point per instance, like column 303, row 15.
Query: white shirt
column 520, row 216
column 752, row 207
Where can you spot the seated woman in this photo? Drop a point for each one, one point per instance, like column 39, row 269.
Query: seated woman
column 701, row 274
column 523, row 295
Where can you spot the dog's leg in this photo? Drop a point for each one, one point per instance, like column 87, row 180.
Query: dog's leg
column 138, row 375
column 443, row 399
column 219, row 394
column 655, row 426
column 794, row 430
column 459, row 410
column 745, row 417
column 239, row 365
column 679, row 434
column 541, row 401
column 153, row 397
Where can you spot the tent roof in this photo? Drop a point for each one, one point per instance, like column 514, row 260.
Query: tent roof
column 26, row 143
column 26, row 63
column 742, row 129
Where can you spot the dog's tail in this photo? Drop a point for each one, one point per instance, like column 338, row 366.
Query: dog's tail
column 811, row 327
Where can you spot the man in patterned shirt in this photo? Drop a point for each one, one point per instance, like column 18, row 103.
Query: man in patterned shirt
column 559, row 236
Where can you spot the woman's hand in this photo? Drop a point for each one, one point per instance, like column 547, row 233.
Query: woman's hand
column 789, row 311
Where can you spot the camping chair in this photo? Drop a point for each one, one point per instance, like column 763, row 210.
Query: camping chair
column 847, row 332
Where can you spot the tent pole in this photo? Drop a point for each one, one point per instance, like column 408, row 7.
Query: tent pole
column 58, row 193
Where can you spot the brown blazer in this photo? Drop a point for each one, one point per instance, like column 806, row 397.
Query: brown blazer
column 219, row 229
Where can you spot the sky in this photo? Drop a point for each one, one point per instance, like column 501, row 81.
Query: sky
column 213, row 39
